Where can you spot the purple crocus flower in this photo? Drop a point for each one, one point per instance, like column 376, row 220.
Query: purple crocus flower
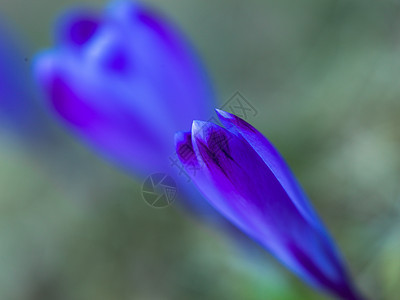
column 125, row 82
column 19, row 111
column 244, row 177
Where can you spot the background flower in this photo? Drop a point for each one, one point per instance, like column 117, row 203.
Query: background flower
column 125, row 81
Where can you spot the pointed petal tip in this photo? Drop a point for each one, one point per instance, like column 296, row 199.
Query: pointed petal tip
column 198, row 123
column 228, row 119
column 198, row 126
column 223, row 114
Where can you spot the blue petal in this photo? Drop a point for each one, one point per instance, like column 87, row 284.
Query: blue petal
column 122, row 134
column 273, row 160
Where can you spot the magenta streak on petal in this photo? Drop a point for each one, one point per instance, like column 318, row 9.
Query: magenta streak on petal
column 82, row 31
column 69, row 105
column 76, row 28
column 184, row 148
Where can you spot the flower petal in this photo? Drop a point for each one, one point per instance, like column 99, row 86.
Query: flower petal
column 168, row 47
column 241, row 186
column 117, row 129
column 273, row 160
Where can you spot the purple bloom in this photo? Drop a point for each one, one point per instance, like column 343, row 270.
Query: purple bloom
column 18, row 110
column 125, row 81
column 244, row 177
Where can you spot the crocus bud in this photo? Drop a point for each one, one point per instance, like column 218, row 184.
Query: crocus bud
column 244, row 177
column 125, row 81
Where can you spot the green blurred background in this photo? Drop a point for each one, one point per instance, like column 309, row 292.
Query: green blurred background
column 324, row 78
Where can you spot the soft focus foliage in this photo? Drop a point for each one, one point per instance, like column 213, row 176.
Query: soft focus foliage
column 323, row 76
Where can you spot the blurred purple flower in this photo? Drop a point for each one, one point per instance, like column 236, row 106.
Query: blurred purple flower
column 125, row 81
column 19, row 111
column 244, row 177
